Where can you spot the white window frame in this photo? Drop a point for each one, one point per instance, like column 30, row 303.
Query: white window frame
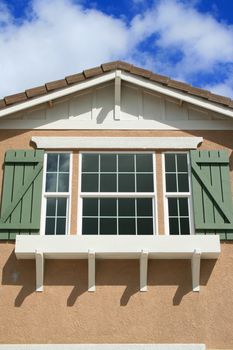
column 46, row 195
column 82, row 195
column 167, row 195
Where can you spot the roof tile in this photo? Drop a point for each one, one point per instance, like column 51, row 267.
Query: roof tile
column 2, row 104
column 198, row 92
column 159, row 78
column 16, row 98
column 140, row 71
column 36, row 91
column 57, row 84
column 93, row 72
column 219, row 99
column 178, row 85
column 75, row 78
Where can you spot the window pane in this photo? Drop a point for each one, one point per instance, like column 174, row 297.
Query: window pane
column 50, row 226
column 144, row 207
column 63, row 183
column 126, row 207
column 144, row 163
column 126, row 163
column 145, row 183
column 90, row 226
column 183, row 206
column 108, row 183
column 108, row 207
column 182, row 165
column 172, row 207
column 90, row 207
column 61, row 206
column 108, row 226
column 61, row 226
column 51, row 182
column 64, row 162
column 126, row 183
column 108, row 162
column 52, row 161
column 184, row 226
column 171, row 183
column 170, row 163
column 145, row 226
column 90, row 163
column 183, row 184
column 173, row 226
column 126, row 226
column 51, row 207
column 90, row 182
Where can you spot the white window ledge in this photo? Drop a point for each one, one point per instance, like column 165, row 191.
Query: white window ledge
column 193, row 247
column 63, row 142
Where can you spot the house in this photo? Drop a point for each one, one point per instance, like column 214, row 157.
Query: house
column 116, row 214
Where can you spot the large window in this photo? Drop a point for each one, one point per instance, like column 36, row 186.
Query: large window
column 56, row 193
column 177, row 193
column 117, row 194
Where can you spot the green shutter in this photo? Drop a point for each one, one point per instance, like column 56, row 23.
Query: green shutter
column 21, row 194
column 212, row 199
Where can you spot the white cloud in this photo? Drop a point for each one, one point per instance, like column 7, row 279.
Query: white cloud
column 59, row 38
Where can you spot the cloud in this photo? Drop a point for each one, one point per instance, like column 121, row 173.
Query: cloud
column 61, row 37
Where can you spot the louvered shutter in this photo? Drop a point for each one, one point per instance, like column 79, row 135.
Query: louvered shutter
column 21, row 193
column 212, row 198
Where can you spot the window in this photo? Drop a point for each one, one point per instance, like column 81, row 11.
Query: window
column 117, row 194
column 56, row 193
column 177, row 193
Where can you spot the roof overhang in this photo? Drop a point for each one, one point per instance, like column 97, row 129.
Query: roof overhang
column 124, row 76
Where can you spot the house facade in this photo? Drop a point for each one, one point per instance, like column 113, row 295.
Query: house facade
column 116, row 222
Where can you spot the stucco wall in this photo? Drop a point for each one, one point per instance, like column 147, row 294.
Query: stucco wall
column 117, row 312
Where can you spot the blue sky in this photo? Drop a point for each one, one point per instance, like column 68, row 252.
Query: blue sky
column 188, row 40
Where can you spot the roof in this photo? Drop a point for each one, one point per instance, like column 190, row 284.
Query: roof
column 107, row 67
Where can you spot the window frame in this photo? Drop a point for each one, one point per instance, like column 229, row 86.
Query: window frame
column 117, row 194
column 46, row 195
column 167, row 195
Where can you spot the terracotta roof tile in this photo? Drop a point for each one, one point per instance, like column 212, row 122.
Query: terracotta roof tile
column 110, row 66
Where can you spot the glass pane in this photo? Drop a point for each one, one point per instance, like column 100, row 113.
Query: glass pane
column 171, row 183
column 51, row 183
column 145, row 183
column 108, row 226
column 126, row 207
column 170, row 163
column 108, row 183
column 52, row 161
column 63, row 183
column 173, row 226
column 126, row 183
column 50, row 226
column 61, row 206
column 90, row 163
column 51, row 207
column 127, row 226
column 108, row 162
column 183, row 206
column 90, row 182
column 145, row 226
column 183, row 183
column 184, row 226
column 144, row 163
column 61, row 226
column 90, row 226
column 182, row 165
column 172, row 207
column 64, row 162
column 126, row 163
column 90, row 207
column 144, row 207
column 108, row 207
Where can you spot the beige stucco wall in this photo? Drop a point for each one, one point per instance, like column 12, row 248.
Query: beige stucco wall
column 117, row 312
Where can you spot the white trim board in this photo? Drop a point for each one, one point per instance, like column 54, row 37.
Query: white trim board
column 103, row 347
column 117, row 142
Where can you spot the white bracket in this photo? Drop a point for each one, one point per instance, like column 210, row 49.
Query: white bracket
column 117, row 98
column 39, row 271
column 196, row 263
column 143, row 270
column 91, row 271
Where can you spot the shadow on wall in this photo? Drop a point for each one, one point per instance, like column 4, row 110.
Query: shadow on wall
column 108, row 273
